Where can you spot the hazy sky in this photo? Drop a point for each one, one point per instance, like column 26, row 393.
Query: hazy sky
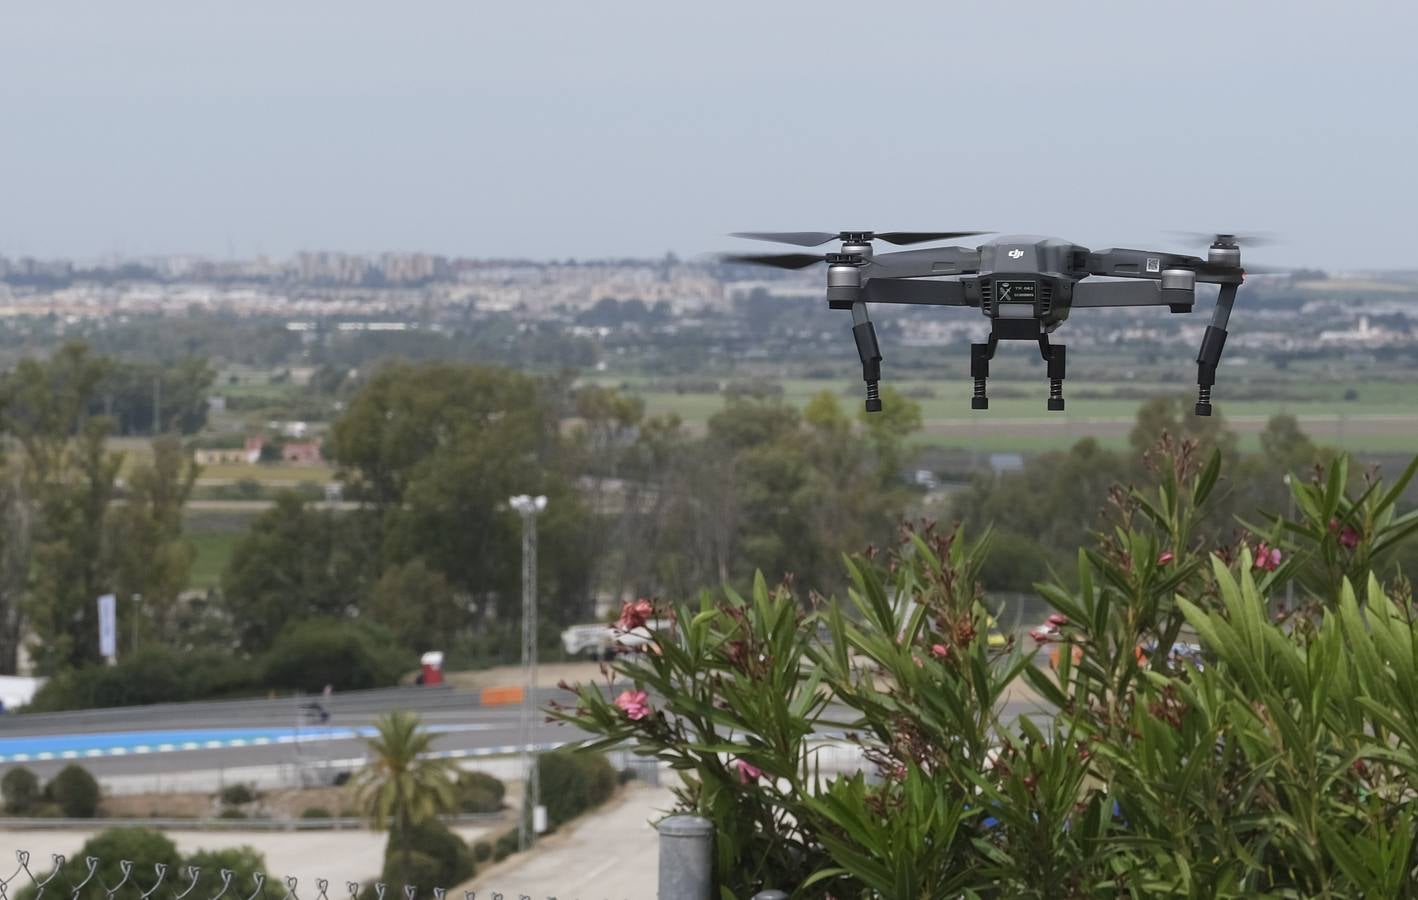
column 551, row 129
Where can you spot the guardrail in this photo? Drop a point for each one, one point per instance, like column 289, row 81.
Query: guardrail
column 334, row 823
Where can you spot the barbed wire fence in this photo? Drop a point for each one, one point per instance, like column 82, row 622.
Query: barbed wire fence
column 190, row 883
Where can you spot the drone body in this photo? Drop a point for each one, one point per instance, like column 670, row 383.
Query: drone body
column 1025, row 285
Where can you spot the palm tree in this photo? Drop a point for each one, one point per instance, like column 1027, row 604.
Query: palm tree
column 402, row 785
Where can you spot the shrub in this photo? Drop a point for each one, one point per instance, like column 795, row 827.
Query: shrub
column 506, row 844
column 479, row 792
column 450, row 860
column 76, row 792
column 306, row 656
column 238, row 795
column 245, row 863
column 482, row 851
column 155, row 674
column 144, row 847
column 1278, row 760
column 315, row 812
column 21, row 790
column 415, row 869
column 572, row 783
column 231, row 812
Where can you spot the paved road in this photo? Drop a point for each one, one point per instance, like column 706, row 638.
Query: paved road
column 612, row 853
column 466, row 729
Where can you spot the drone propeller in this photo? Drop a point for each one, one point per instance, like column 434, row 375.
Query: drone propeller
column 1255, row 239
column 814, row 238
column 778, row 260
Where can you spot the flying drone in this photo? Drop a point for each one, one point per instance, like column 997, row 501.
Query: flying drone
column 1025, row 285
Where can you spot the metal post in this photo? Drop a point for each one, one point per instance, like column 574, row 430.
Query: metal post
column 528, row 508
column 1290, row 582
column 686, row 858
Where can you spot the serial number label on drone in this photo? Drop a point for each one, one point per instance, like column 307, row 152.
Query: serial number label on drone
column 1015, row 291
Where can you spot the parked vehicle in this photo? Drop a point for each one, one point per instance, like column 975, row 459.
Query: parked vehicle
column 602, row 641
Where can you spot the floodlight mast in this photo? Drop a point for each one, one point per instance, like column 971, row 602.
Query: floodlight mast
column 528, row 508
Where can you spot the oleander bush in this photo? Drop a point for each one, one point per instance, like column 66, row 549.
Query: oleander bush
column 1278, row 759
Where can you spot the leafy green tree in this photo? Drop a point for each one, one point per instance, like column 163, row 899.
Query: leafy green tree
column 17, row 525
column 1174, row 416
column 1052, row 501
column 1285, row 447
column 151, row 558
column 418, row 606
column 437, row 450
column 294, row 563
column 351, row 655
column 72, row 556
column 46, row 403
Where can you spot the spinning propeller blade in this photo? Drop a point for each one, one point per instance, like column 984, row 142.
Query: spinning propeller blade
column 778, row 260
column 814, row 238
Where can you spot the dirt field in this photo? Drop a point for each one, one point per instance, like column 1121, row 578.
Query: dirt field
column 282, row 804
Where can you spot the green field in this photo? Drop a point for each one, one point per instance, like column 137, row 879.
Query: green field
column 213, row 551
column 1381, row 417
column 267, row 473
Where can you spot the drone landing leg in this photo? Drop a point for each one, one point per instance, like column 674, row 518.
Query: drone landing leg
column 1056, row 355
column 870, row 353
column 1213, row 341
column 980, row 356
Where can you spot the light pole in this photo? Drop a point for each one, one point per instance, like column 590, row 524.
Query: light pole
column 1290, row 582
column 528, row 508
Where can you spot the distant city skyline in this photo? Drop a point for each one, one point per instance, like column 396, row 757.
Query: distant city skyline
column 560, row 130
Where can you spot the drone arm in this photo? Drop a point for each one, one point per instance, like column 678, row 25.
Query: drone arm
column 924, row 263
column 921, row 293
column 1123, row 263
column 1118, row 293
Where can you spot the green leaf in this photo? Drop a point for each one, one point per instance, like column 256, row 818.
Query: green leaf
column 1207, row 479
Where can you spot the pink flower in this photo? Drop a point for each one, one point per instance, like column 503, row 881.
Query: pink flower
column 635, row 614
column 940, row 651
column 1267, row 558
column 1348, row 537
column 917, row 660
column 635, row 704
column 1164, row 559
column 747, row 771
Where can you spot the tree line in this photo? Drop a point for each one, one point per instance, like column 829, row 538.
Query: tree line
column 430, row 559
column 639, row 505
column 71, row 530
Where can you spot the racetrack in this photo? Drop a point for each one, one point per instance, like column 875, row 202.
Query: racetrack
column 166, row 740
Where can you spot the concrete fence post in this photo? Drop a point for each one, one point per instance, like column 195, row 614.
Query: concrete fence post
column 686, row 858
